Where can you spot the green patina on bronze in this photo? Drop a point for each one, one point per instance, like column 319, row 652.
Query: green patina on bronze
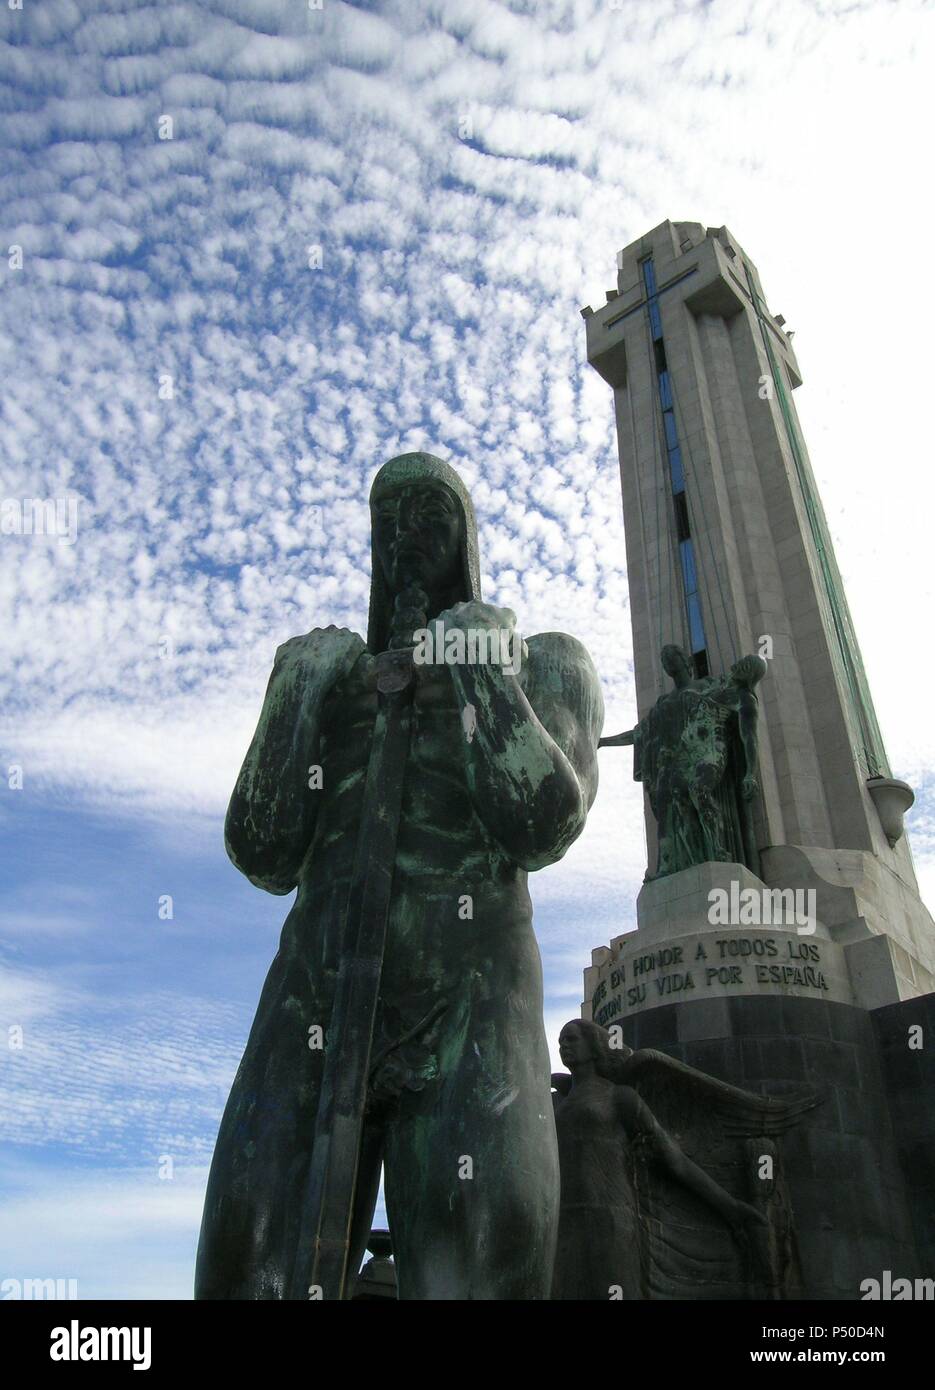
column 458, row 1067
column 696, row 754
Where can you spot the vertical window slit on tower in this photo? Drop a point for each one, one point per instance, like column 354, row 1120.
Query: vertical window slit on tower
column 690, row 589
column 682, row 528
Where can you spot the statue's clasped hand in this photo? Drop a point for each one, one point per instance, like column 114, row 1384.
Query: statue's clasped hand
column 309, row 644
column 476, row 633
column 312, row 652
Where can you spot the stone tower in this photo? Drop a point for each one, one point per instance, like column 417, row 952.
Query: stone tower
column 728, row 552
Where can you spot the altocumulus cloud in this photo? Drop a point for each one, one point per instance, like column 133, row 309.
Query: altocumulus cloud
column 217, row 406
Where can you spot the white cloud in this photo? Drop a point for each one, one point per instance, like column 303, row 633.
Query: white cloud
column 121, row 1234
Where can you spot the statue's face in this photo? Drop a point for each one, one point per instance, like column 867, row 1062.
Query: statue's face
column 573, row 1045
column 749, row 671
column 417, row 532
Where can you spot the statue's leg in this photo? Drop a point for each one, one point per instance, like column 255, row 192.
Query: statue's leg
column 255, row 1190
column 471, row 1163
column 598, row 1255
column 666, row 813
column 707, row 807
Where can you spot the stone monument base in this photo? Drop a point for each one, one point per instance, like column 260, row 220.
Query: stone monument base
column 828, row 1002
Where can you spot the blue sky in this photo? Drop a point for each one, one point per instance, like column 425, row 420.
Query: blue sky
column 468, row 171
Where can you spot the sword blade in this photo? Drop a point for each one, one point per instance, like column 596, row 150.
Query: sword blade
column 324, row 1242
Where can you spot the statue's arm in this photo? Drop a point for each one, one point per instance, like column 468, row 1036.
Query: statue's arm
column 641, row 1122
column 747, row 715
column 532, row 761
column 272, row 811
column 618, row 740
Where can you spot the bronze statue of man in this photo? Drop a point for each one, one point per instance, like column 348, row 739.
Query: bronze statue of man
column 696, row 754
column 498, row 774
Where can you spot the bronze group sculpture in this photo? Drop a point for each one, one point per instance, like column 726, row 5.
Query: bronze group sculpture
column 696, row 754
column 665, row 1191
column 406, row 803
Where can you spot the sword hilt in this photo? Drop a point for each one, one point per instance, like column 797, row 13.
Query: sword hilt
column 410, row 613
column 394, row 669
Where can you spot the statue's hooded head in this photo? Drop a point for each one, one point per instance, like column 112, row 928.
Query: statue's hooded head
column 426, row 474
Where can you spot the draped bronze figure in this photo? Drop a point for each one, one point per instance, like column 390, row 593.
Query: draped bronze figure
column 696, row 754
